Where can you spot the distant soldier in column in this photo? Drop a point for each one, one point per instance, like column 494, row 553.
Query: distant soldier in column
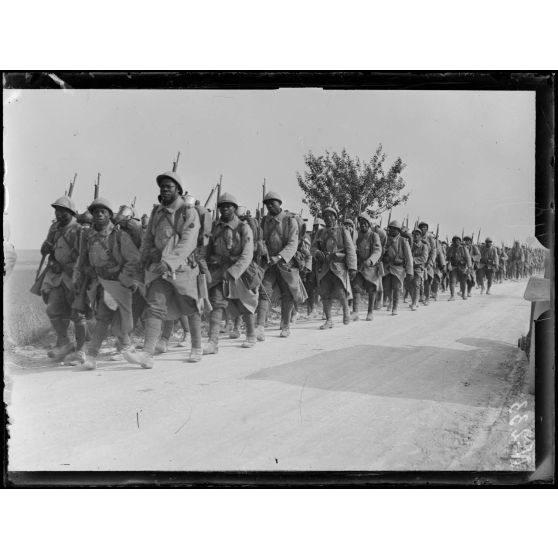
column 311, row 279
column 171, row 270
column 459, row 263
column 430, row 241
column 474, row 253
column 335, row 255
column 398, row 264
column 350, row 226
column 383, row 241
column 62, row 249
column 229, row 255
column 439, row 269
column 108, row 267
column 303, row 259
column 420, row 252
column 280, row 235
column 502, row 259
column 368, row 277
column 488, row 263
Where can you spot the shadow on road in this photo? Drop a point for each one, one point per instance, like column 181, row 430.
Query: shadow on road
column 476, row 377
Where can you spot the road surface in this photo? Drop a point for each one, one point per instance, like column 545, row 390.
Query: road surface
column 426, row 390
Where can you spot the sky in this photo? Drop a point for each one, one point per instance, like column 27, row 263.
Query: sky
column 470, row 155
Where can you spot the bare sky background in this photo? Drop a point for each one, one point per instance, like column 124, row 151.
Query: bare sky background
column 470, row 155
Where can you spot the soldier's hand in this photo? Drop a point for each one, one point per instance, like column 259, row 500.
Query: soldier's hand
column 46, row 248
column 161, row 268
column 275, row 259
column 352, row 274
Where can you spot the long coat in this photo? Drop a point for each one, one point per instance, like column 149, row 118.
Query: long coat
column 488, row 257
column 64, row 254
column 111, row 259
column 397, row 258
column 340, row 254
column 430, row 242
column 458, row 257
column 280, row 238
column 369, row 253
column 421, row 256
column 231, row 249
column 171, row 237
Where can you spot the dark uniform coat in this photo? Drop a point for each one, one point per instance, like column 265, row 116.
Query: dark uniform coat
column 397, row 258
column 369, row 253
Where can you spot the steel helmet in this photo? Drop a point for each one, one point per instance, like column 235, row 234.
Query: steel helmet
column 330, row 210
column 65, row 203
column 125, row 212
column 467, row 237
column 418, row 231
column 318, row 221
column 272, row 196
column 488, row 239
column 174, row 177
column 349, row 222
column 455, row 237
column 422, row 224
column 395, row 225
column 365, row 217
column 101, row 202
column 227, row 198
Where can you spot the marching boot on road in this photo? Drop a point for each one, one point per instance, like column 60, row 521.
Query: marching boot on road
column 56, row 287
column 398, row 263
column 235, row 277
column 420, row 252
column 107, row 269
column 334, row 252
column 280, row 238
column 459, row 264
column 488, row 263
column 369, row 272
column 171, row 269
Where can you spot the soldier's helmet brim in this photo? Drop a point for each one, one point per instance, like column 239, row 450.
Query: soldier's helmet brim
column 175, row 177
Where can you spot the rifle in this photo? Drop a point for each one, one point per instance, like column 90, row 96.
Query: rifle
column 389, row 218
column 72, row 184
column 437, row 230
column 175, row 163
column 478, row 236
column 40, row 267
column 263, row 194
column 97, row 186
column 206, row 204
column 134, row 203
column 462, row 233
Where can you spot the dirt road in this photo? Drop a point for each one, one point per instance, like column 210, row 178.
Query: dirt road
column 426, row 390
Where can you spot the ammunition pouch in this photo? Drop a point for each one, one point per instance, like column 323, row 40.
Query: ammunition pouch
column 54, row 266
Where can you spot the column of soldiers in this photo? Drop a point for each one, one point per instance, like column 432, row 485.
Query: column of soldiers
column 177, row 265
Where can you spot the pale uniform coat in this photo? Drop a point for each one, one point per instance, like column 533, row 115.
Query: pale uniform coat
column 458, row 257
column 231, row 249
column 398, row 259
column 430, row 242
column 486, row 254
column 280, row 237
column 369, row 252
column 338, row 247
column 111, row 258
column 172, row 233
column 66, row 252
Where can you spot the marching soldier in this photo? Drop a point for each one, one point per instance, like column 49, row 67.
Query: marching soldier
column 474, row 252
column 420, row 252
column 488, row 263
column 429, row 240
column 229, row 255
column 336, row 260
column 459, row 264
column 280, row 236
column 171, row 269
column 439, row 269
column 369, row 274
column 108, row 269
column 398, row 263
column 125, row 219
column 62, row 249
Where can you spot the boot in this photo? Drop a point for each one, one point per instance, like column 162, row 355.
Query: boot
column 371, row 304
column 261, row 315
column 212, row 347
column 394, row 311
column 379, row 301
column 286, row 311
column 80, row 329
column 75, row 359
column 250, row 321
column 452, row 293
column 145, row 358
column 98, row 335
column 90, row 363
column 63, row 346
column 235, row 331
column 356, row 302
column 327, row 303
column 195, row 355
column 346, row 311
column 162, row 346
column 194, row 327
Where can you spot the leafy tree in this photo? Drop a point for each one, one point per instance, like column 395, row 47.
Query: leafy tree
column 350, row 185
